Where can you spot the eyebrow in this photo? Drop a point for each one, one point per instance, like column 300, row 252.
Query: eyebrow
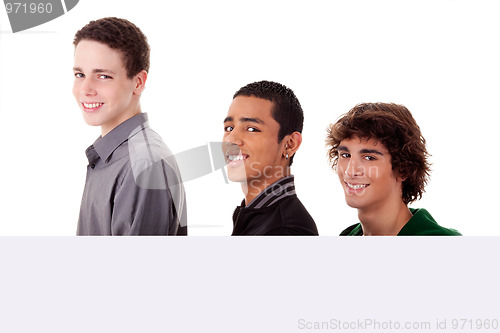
column 362, row 151
column 96, row 70
column 246, row 120
column 371, row 151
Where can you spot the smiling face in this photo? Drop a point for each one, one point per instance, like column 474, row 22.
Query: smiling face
column 365, row 172
column 101, row 87
column 253, row 154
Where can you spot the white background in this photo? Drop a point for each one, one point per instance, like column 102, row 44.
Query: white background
column 438, row 58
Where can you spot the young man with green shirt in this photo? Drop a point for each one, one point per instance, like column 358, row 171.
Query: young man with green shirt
column 133, row 185
column 380, row 157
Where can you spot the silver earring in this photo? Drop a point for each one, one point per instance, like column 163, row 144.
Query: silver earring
column 286, row 156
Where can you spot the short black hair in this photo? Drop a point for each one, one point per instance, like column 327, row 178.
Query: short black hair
column 286, row 111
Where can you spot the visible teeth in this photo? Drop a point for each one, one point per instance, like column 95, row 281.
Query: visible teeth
column 356, row 187
column 236, row 157
column 92, row 105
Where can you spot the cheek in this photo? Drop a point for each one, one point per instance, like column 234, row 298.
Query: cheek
column 382, row 176
column 340, row 173
column 268, row 152
column 121, row 95
column 128, row 87
column 76, row 89
column 114, row 96
column 373, row 172
column 340, row 169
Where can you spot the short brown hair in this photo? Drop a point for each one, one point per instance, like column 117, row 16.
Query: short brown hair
column 393, row 126
column 121, row 35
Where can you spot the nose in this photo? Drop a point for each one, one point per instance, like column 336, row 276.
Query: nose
column 233, row 137
column 88, row 88
column 354, row 169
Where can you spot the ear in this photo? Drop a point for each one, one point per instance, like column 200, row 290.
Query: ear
column 292, row 143
column 401, row 177
column 140, row 82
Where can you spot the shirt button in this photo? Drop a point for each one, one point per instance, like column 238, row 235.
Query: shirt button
column 92, row 166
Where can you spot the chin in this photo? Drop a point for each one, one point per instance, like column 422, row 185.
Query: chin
column 237, row 176
column 353, row 203
column 92, row 123
column 91, row 120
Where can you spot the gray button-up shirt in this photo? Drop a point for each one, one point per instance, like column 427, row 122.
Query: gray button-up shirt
column 133, row 185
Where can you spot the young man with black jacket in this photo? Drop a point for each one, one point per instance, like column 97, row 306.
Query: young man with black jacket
column 262, row 132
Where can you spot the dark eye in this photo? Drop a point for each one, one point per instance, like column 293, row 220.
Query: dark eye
column 228, row 128
column 370, row 158
column 252, row 129
column 344, row 155
column 79, row 75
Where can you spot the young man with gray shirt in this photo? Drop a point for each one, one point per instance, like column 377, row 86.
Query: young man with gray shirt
column 133, row 185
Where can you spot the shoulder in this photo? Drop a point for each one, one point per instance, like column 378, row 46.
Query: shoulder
column 293, row 209
column 146, row 144
column 151, row 161
column 295, row 218
column 423, row 224
column 285, row 217
column 353, row 230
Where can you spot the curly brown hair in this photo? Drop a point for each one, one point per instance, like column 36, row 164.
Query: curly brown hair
column 121, row 35
column 393, row 126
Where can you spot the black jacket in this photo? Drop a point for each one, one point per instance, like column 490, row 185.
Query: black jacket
column 285, row 217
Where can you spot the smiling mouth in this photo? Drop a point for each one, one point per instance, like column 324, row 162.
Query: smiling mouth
column 89, row 107
column 237, row 157
column 356, row 186
column 236, row 160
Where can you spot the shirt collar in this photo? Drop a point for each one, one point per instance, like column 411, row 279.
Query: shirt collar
column 105, row 146
column 273, row 193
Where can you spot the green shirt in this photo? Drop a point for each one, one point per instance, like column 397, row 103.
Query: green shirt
column 421, row 224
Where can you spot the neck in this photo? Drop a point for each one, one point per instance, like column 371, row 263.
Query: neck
column 384, row 221
column 126, row 115
column 253, row 188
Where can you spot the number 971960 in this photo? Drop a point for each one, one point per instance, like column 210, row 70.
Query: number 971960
column 28, row 8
